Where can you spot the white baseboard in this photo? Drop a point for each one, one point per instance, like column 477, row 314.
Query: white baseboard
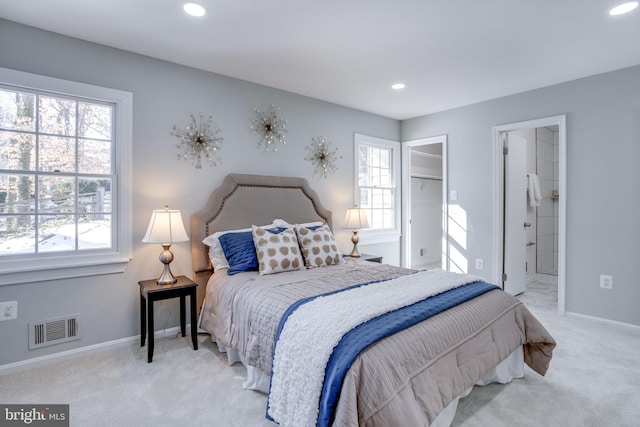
column 83, row 351
column 48, row 359
column 602, row 320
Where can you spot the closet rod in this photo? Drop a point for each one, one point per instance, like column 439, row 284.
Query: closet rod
column 432, row 178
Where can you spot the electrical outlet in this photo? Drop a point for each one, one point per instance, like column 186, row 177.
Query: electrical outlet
column 8, row 310
column 606, row 281
column 479, row 264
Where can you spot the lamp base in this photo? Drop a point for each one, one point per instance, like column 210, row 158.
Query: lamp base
column 166, row 278
column 355, row 239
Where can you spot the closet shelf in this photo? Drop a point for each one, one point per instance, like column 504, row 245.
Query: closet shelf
column 428, row 155
column 421, row 176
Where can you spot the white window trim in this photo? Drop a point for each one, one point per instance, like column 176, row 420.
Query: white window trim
column 35, row 269
column 369, row 236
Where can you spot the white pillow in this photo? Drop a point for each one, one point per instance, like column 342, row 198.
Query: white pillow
column 216, row 254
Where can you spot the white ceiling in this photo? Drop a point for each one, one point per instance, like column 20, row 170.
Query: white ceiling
column 448, row 52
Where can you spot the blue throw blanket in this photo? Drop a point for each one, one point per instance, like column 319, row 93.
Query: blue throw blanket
column 361, row 337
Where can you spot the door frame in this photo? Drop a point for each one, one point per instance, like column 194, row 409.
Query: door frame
column 405, row 254
column 498, row 179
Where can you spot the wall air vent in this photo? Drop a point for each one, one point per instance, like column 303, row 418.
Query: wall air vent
column 53, row 331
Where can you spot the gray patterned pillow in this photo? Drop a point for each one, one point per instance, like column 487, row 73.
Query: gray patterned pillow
column 276, row 251
column 318, row 246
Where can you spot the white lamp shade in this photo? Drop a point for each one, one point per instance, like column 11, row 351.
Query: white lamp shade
column 356, row 218
column 166, row 226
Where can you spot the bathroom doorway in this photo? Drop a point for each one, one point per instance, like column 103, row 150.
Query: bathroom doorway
column 530, row 209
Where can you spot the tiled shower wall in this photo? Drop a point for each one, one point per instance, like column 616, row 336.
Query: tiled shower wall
column 547, row 212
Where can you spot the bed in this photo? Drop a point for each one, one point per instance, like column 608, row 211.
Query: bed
column 411, row 375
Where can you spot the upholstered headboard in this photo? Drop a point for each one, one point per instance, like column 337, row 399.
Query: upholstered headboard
column 245, row 200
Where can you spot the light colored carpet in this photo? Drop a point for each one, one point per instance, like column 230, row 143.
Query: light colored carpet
column 594, row 380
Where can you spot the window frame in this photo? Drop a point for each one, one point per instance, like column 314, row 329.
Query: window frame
column 387, row 235
column 27, row 268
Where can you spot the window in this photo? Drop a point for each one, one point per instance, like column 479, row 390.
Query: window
column 64, row 178
column 377, row 175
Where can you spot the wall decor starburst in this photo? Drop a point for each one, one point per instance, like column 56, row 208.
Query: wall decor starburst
column 323, row 156
column 200, row 139
column 270, row 126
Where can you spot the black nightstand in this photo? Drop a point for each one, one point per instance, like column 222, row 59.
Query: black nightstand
column 150, row 291
column 367, row 257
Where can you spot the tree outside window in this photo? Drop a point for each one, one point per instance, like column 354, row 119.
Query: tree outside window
column 56, row 173
column 376, row 185
column 377, row 176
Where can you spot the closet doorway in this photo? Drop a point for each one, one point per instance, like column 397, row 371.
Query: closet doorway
column 424, row 207
column 531, row 234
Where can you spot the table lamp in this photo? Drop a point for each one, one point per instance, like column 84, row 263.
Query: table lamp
column 166, row 227
column 356, row 219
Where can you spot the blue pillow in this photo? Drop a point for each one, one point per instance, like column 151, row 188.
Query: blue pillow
column 240, row 251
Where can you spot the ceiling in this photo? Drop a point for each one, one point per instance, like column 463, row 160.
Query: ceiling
column 449, row 53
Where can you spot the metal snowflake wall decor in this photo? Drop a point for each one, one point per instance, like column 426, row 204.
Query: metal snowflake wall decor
column 199, row 140
column 271, row 126
column 323, row 156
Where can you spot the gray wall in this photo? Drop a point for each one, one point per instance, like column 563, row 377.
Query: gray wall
column 603, row 128
column 164, row 94
column 603, row 195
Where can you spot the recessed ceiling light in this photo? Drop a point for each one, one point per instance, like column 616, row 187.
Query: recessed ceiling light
column 398, row 86
column 194, row 9
column 623, row 8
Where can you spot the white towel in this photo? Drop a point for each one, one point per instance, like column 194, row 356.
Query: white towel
column 534, row 190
